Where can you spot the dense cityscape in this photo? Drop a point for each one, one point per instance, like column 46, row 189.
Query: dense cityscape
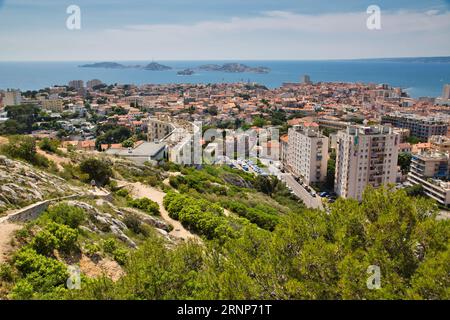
column 368, row 134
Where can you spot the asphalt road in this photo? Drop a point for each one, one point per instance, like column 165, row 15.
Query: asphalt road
column 301, row 193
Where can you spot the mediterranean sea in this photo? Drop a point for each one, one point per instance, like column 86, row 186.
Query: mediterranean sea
column 419, row 79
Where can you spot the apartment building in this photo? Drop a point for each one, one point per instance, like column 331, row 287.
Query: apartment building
column 440, row 143
column 431, row 170
column 158, row 129
column 420, row 127
column 54, row 105
column 446, row 92
column 307, row 153
column 12, row 98
column 365, row 156
column 76, row 84
column 92, row 83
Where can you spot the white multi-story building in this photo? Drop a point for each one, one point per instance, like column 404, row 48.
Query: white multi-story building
column 76, row 84
column 365, row 156
column 431, row 170
column 12, row 98
column 307, row 153
column 92, row 83
column 446, row 92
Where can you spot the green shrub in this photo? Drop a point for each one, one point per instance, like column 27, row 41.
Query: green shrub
column 44, row 242
column 49, row 145
column 24, row 148
column 91, row 249
column 97, row 170
column 68, row 215
column 123, row 193
column 6, row 272
column 145, row 204
column 121, row 256
column 134, row 223
column 40, row 273
column 109, row 245
column 54, row 236
column 198, row 215
column 67, row 237
column 23, row 290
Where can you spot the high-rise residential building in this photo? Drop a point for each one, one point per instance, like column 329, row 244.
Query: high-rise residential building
column 365, row 156
column 431, row 170
column 12, row 98
column 92, row 83
column 76, row 84
column 446, row 92
column 419, row 126
column 307, row 153
column 306, row 79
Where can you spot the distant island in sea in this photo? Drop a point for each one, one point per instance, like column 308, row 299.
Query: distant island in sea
column 154, row 66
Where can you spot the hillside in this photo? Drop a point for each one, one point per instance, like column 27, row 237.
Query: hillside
column 174, row 232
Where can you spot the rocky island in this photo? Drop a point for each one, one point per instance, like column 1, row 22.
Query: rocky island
column 233, row 68
column 105, row 65
column 153, row 66
column 157, row 67
column 186, row 72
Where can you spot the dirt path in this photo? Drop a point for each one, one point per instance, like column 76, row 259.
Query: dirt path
column 140, row 190
column 6, row 233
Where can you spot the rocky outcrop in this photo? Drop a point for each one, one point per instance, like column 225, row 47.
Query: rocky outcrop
column 102, row 222
column 22, row 184
column 236, row 181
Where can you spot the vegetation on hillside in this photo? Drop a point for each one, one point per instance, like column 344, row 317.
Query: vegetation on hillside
column 312, row 255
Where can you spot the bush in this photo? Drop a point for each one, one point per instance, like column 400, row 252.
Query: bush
column 54, row 236
column 200, row 216
column 67, row 237
column 49, row 145
column 123, row 193
column 68, row 215
column 109, row 245
column 121, row 256
column 133, row 222
column 24, row 148
column 145, row 204
column 44, row 242
column 264, row 217
column 91, row 249
column 6, row 272
column 97, row 170
column 40, row 273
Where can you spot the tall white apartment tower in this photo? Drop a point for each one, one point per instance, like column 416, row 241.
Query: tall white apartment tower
column 307, row 153
column 365, row 156
column 446, row 92
column 12, row 98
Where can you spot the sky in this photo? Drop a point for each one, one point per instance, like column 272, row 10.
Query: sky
column 115, row 30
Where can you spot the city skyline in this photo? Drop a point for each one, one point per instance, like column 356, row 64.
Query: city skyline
column 231, row 30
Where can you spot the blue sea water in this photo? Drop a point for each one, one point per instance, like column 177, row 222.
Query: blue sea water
column 418, row 78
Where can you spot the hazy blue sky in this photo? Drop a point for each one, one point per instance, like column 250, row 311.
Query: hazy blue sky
column 222, row 29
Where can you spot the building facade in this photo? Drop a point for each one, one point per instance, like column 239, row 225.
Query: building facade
column 365, row 156
column 307, row 153
column 431, row 170
column 420, row 127
column 12, row 98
